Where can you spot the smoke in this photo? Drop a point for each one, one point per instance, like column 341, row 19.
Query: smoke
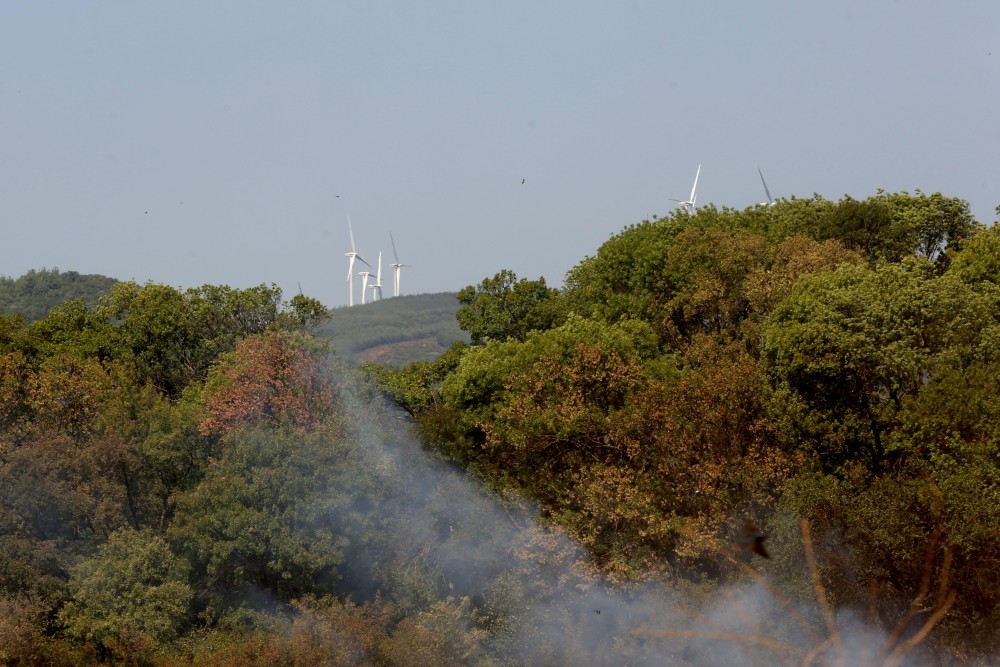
column 540, row 598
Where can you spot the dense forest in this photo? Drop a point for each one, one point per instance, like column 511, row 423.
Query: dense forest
column 35, row 293
column 760, row 436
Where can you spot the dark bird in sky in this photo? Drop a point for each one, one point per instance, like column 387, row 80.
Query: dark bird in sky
column 750, row 537
column 522, row 181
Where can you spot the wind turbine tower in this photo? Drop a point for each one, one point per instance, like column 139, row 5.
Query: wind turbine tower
column 377, row 287
column 351, row 256
column 365, row 275
column 396, row 266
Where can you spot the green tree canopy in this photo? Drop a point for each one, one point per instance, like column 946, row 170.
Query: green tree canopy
column 848, row 347
column 134, row 587
column 37, row 292
column 503, row 307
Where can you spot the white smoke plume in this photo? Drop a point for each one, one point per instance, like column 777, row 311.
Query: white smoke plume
column 543, row 603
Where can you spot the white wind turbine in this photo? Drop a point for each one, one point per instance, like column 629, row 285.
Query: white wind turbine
column 377, row 287
column 351, row 256
column 769, row 202
column 689, row 203
column 365, row 275
column 396, row 266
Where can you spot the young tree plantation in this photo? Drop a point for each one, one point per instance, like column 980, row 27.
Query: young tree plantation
column 197, row 478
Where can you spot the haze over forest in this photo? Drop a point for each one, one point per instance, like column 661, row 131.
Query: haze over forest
column 756, row 436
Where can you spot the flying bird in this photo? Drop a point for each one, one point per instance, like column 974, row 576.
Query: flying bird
column 522, row 181
column 750, row 537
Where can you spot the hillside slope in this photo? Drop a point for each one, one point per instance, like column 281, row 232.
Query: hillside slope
column 35, row 293
column 395, row 332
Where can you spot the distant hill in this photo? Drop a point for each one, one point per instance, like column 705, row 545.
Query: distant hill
column 35, row 293
column 397, row 331
column 392, row 332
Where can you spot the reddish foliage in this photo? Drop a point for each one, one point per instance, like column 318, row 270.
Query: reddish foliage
column 267, row 381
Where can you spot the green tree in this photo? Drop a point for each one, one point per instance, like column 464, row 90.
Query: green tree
column 71, row 328
column 533, row 411
column 134, row 588
column 978, row 261
column 714, row 269
column 35, row 293
column 848, row 347
column 174, row 337
column 159, row 334
column 787, row 261
column 869, row 227
column 935, row 222
column 304, row 313
column 172, row 454
column 15, row 376
column 713, row 272
column 269, row 515
column 415, row 388
column 503, row 307
column 629, row 276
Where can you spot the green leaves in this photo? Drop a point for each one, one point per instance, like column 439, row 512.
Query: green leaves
column 134, row 588
column 503, row 308
column 173, row 336
column 855, row 343
column 266, row 515
column 36, row 293
column 935, row 224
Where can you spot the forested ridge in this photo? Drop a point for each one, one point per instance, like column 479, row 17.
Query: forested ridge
column 190, row 477
column 37, row 292
column 394, row 332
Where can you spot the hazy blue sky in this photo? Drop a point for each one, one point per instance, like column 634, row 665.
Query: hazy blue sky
column 227, row 142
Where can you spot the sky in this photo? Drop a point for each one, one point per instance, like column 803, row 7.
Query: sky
column 225, row 142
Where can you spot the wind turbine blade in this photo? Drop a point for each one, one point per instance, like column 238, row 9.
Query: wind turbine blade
column 378, row 276
column 395, row 255
column 350, row 265
column 351, row 231
column 694, row 188
column 766, row 191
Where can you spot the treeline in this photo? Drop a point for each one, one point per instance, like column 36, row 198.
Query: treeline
column 36, row 292
column 833, row 362
column 118, row 431
column 189, row 477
